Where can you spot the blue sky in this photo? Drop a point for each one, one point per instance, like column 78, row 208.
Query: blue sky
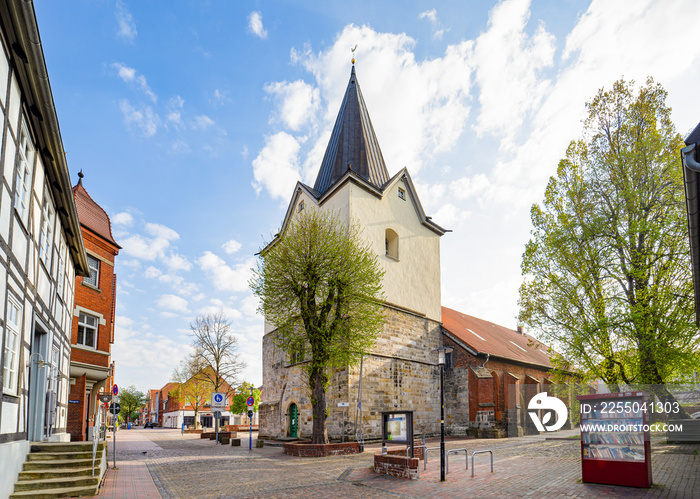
column 193, row 120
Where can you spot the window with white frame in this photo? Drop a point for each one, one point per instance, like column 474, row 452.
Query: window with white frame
column 46, row 236
column 12, row 345
column 87, row 330
column 25, row 167
column 94, row 265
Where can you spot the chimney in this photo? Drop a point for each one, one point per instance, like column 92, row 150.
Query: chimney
column 520, row 330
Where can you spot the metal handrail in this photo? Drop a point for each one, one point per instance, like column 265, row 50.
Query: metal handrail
column 481, row 452
column 96, row 441
column 456, row 451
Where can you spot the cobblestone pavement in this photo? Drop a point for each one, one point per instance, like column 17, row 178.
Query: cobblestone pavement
column 530, row 467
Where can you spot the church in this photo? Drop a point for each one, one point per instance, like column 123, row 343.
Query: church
column 488, row 364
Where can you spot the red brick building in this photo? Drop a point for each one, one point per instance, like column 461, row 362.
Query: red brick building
column 91, row 368
column 493, row 369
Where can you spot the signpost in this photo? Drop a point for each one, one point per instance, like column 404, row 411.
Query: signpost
column 218, row 401
column 114, row 408
column 250, row 401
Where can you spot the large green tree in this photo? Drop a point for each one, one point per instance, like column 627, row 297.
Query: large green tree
column 130, row 399
column 319, row 285
column 607, row 278
column 239, row 401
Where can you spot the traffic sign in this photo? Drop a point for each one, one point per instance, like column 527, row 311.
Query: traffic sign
column 250, row 401
column 115, row 390
column 115, row 408
column 218, row 400
column 105, row 397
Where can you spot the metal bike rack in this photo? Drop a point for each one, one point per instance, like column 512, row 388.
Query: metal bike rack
column 425, row 455
column 457, row 451
column 481, row 452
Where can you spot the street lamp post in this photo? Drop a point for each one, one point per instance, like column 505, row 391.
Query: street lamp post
column 442, row 352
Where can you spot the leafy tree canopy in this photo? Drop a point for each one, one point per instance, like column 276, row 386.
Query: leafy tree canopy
column 239, row 401
column 130, row 399
column 607, row 271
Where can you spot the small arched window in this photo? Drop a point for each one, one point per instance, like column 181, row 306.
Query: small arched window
column 391, row 242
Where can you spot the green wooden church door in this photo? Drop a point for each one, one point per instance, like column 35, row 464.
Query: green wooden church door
column 293, row 421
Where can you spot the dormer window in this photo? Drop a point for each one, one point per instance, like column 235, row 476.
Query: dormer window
column 402, row 194
column 301, row 206
column 391, row 242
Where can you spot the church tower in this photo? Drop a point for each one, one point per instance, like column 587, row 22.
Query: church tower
column 399, row 374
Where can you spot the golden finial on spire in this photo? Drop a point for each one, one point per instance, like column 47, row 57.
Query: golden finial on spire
column 353, row 53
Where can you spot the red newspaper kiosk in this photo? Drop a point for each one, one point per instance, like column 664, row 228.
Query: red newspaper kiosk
column 615, row 445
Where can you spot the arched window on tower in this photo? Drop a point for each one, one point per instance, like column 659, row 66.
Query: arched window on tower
column 391, row 241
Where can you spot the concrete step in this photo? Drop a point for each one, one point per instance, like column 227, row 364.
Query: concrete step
column 44, row 456
column 63, row 446
column 57, row 473
column 56, row 492
column 56, row 483
column 36, row 464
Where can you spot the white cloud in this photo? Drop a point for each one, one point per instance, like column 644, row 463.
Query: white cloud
column 224, row 277
column 152, row 273
column 124, row 219
column 431, row 15
column 130, row 75
column 249, row 306
column 174, row 303
column 145, row 119
column 154, row 247
column 509, row 66
column 175, row 261
column 276, row 168
column 298, row 102
column 216, row 305
column 231, row 247
column 255, row 25
column 202, row 122
column 127, row 26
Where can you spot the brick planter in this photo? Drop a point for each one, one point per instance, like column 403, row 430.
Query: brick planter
column 399, row 466
column 307, row 449
column 401, row 451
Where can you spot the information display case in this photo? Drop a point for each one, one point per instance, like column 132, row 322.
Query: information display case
column 615, row 443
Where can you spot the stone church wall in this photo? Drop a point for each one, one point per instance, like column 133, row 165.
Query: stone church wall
column 400, row 374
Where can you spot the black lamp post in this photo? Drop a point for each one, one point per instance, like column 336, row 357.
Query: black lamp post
column 442, row 352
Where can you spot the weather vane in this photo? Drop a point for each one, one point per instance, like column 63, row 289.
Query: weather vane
column 353, row 53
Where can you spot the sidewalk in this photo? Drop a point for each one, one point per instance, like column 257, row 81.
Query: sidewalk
column 131, row 479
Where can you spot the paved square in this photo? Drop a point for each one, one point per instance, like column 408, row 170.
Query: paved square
column 531, row 467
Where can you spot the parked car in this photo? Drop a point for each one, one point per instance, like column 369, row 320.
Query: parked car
column 149, row 424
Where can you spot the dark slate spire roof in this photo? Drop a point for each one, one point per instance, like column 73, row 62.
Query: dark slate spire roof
column 353, row 143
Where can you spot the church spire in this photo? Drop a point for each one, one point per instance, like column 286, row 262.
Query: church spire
column 353, row 144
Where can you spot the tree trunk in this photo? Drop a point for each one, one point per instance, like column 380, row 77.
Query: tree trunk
column 318, row 400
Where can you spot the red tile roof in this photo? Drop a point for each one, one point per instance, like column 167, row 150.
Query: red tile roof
column 487, row 337
column 91, row 215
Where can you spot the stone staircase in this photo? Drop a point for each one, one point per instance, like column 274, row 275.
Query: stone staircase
column 59, row 469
